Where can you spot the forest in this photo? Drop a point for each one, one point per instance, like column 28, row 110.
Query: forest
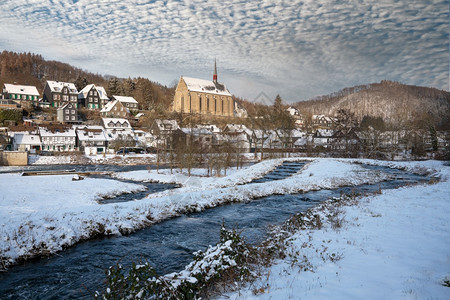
column 33, row 69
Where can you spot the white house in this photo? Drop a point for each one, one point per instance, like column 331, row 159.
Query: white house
column 58, row 138
column 20, row 93
column 117, row 128
column 128, row 102
column 26, row 142
column 92, row 139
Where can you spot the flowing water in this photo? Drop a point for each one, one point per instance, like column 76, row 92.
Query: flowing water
column 168, row 246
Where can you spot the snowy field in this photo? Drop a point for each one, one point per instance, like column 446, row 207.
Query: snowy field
column 45, row 214
column 390, row 246
column 394, row 243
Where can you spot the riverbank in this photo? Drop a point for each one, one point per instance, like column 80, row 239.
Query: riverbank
column 393, row 245
column 71, row 213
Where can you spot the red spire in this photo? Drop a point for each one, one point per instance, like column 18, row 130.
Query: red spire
column 215, row 72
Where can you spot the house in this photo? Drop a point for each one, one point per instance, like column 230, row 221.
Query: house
column 321, row 121
column 21, row 93
column 58, row 137
column 298, row 117
column 92, row 97
column 213, row 128
column 59, row 93
column 198, row 138
column 323, row 138
column 162, row 131
column 115, row 109
column 128, row 102
column 118, row 128
column 235, row 128
column 26, row 142
column 143, row 138
column 201, row 96
column 67, row 113
column 8, row 104
column 92, row 139
column 240, row 141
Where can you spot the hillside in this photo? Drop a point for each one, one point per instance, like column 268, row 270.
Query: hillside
column 398, row 104
column 33, row 69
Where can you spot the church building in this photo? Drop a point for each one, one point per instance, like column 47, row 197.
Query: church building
column 201, row 96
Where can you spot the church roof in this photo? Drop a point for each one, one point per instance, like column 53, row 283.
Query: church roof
column 206, row 86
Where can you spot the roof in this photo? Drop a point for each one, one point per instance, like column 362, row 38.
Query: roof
column 21, row 89
column 58, row 130
column 57, row 86
column 113, row 123
column 125, row 99
column 101, row 91
column 108, row 106
column 235, row 127
column 196, row 131
column 206, row 86
column 27, row 139
column 91, row 133
column 163, row 123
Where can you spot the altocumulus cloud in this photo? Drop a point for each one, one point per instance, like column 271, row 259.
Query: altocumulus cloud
column 299, row 49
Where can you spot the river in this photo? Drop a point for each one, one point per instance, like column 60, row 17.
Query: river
column 168, row 246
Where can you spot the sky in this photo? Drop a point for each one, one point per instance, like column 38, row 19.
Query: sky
column 298, row 49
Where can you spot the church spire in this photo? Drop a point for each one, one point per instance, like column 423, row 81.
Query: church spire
column 215, row 72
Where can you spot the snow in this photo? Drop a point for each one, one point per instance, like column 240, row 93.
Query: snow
column 207, row 86
column 391, row 246
column 21, row 89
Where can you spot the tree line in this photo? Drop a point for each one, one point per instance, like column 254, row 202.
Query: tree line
column 32, row 69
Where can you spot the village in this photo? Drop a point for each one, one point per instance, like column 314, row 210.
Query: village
column 57, row 128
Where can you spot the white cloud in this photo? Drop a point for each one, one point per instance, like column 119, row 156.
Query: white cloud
column 299, row 49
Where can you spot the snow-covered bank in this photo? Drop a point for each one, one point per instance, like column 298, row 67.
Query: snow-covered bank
column 50, row 228
column 389, row 246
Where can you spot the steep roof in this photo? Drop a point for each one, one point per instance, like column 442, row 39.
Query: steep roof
column 113, row 123
column 101, row 92
column 57, row 86
column 21, row 89
column 205, row 86
column 125, row 99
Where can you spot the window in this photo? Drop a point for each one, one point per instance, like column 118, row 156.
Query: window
column 91, row 92
column 67, row 118
column 67, row 111
column 73, row 118
column 65, row 98
column 73, row 111
column 55, row 97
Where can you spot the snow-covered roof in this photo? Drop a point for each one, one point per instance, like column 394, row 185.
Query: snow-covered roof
column 56, row 131
column 212, row 128
column 57, row 86
column 115, row 123
column 100, row 90
column 108, row 106
column 235, row 128
column 169, row 124
column 27, row 139
column 196, row 131
column 21, row 89
column 125, row 99
column 206, row 86
column 324, row 132
column 91, row 133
